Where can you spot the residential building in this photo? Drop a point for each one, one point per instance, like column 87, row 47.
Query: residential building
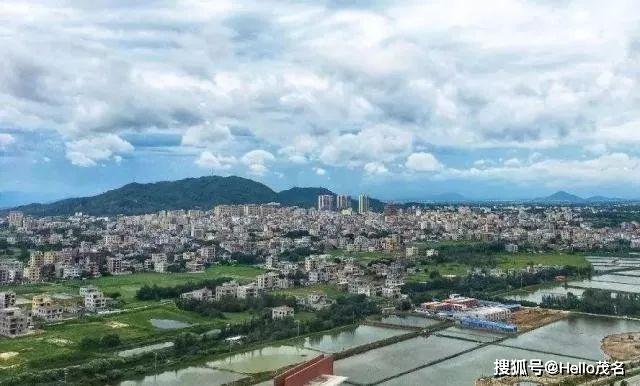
column 282, row 312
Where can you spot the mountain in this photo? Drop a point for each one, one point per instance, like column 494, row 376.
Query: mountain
column 188, row 193
column 303, row 197
column 562, row 197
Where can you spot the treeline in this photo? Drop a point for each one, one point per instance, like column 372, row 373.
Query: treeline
column 232, row 304
column 479, row 284
column 154, row 292
column 346, row 310
column 297, row 254
column 596, row 301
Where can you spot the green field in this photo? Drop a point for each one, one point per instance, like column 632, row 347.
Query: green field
column 522, row 260
column 58, row 342
column 127, row 285
column 506, row 261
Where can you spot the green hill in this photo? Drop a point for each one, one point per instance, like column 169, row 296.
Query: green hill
column 189, row 193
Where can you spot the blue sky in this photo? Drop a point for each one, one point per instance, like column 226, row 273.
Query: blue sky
column 497, row 99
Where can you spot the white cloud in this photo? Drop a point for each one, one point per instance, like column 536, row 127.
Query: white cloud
column 613, row 169
column 90, row 151
column 205, row 135
column 256, row 161
column 320, row 171
column 6, row 140
column 423, row 162
column 375, row 168
column 208, row 160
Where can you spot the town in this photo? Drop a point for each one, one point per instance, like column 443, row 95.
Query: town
column 233, row 260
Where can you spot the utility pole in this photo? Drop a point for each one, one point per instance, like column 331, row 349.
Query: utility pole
column 155, row 368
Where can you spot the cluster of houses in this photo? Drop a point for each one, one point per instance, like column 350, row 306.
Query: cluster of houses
column 16, row 320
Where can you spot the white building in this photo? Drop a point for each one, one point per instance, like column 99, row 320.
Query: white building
column 281, row 312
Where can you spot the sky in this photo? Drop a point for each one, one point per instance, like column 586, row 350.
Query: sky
column 400, row 100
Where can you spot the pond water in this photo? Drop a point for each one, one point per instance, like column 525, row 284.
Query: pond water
column 188, row 376
column 466, row 368
column 168, row 324
column 614, row 278
column 145, row 349
column 606, row 285
column 409, row 320
column 347, row 339
column 264, row 359
column 576, row 336
column 536, row 295
column 375, row 365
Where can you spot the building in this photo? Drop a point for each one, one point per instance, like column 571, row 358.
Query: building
column 325, row 202
column 114, row 265
column 489, row 313
column 228, row 289
column 343, row 201
column 7, row 299
column 15, row 219
column 317, row 371
column 200, row 294
column 14, row 321
column 281, row 312
column 363, row 204
column 511, row 248
column 247, row 291
column 94, row 299
column 45, row 307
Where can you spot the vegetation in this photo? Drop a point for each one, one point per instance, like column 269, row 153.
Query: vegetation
column 596, row 301
column 155, row 292
column 189, row 193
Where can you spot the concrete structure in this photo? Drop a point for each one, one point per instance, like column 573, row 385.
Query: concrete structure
column 229, row 288
column 7, row 299
column 281, row 312
column 325, row 202
column 343, row 201
column 14, row 321
column 363, row 204
column 45, row 307
column 94, row 300
column 317, row 372
column 199, row 294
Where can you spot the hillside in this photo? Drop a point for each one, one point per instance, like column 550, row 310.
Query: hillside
column 189, row 193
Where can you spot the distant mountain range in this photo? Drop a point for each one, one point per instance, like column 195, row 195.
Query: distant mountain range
column 190, row 193
column 564, row 197
column 206, row 192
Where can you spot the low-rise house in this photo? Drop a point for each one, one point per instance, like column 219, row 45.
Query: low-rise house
column 94, row 300
column 45, row 307
column 229, row 288
column 14, row 321
column 200, row 294
column 281, row 312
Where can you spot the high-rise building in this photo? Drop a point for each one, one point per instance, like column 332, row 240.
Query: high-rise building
column 363, row 204
column 343, row 202
column 325, row 202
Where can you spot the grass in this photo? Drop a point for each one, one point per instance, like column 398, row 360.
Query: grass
column 442, row 268
column 61, row 340
column 522, row 260
column 128, row 285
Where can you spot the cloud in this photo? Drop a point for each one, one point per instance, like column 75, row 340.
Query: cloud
column 320, row 171
column 454, row 77
column 208, row 160
column 375, row 168
column 6, row 140
column 612, row 169
column 88, row 152
column 423, row 162
column 205, row 135
column 256, row 161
